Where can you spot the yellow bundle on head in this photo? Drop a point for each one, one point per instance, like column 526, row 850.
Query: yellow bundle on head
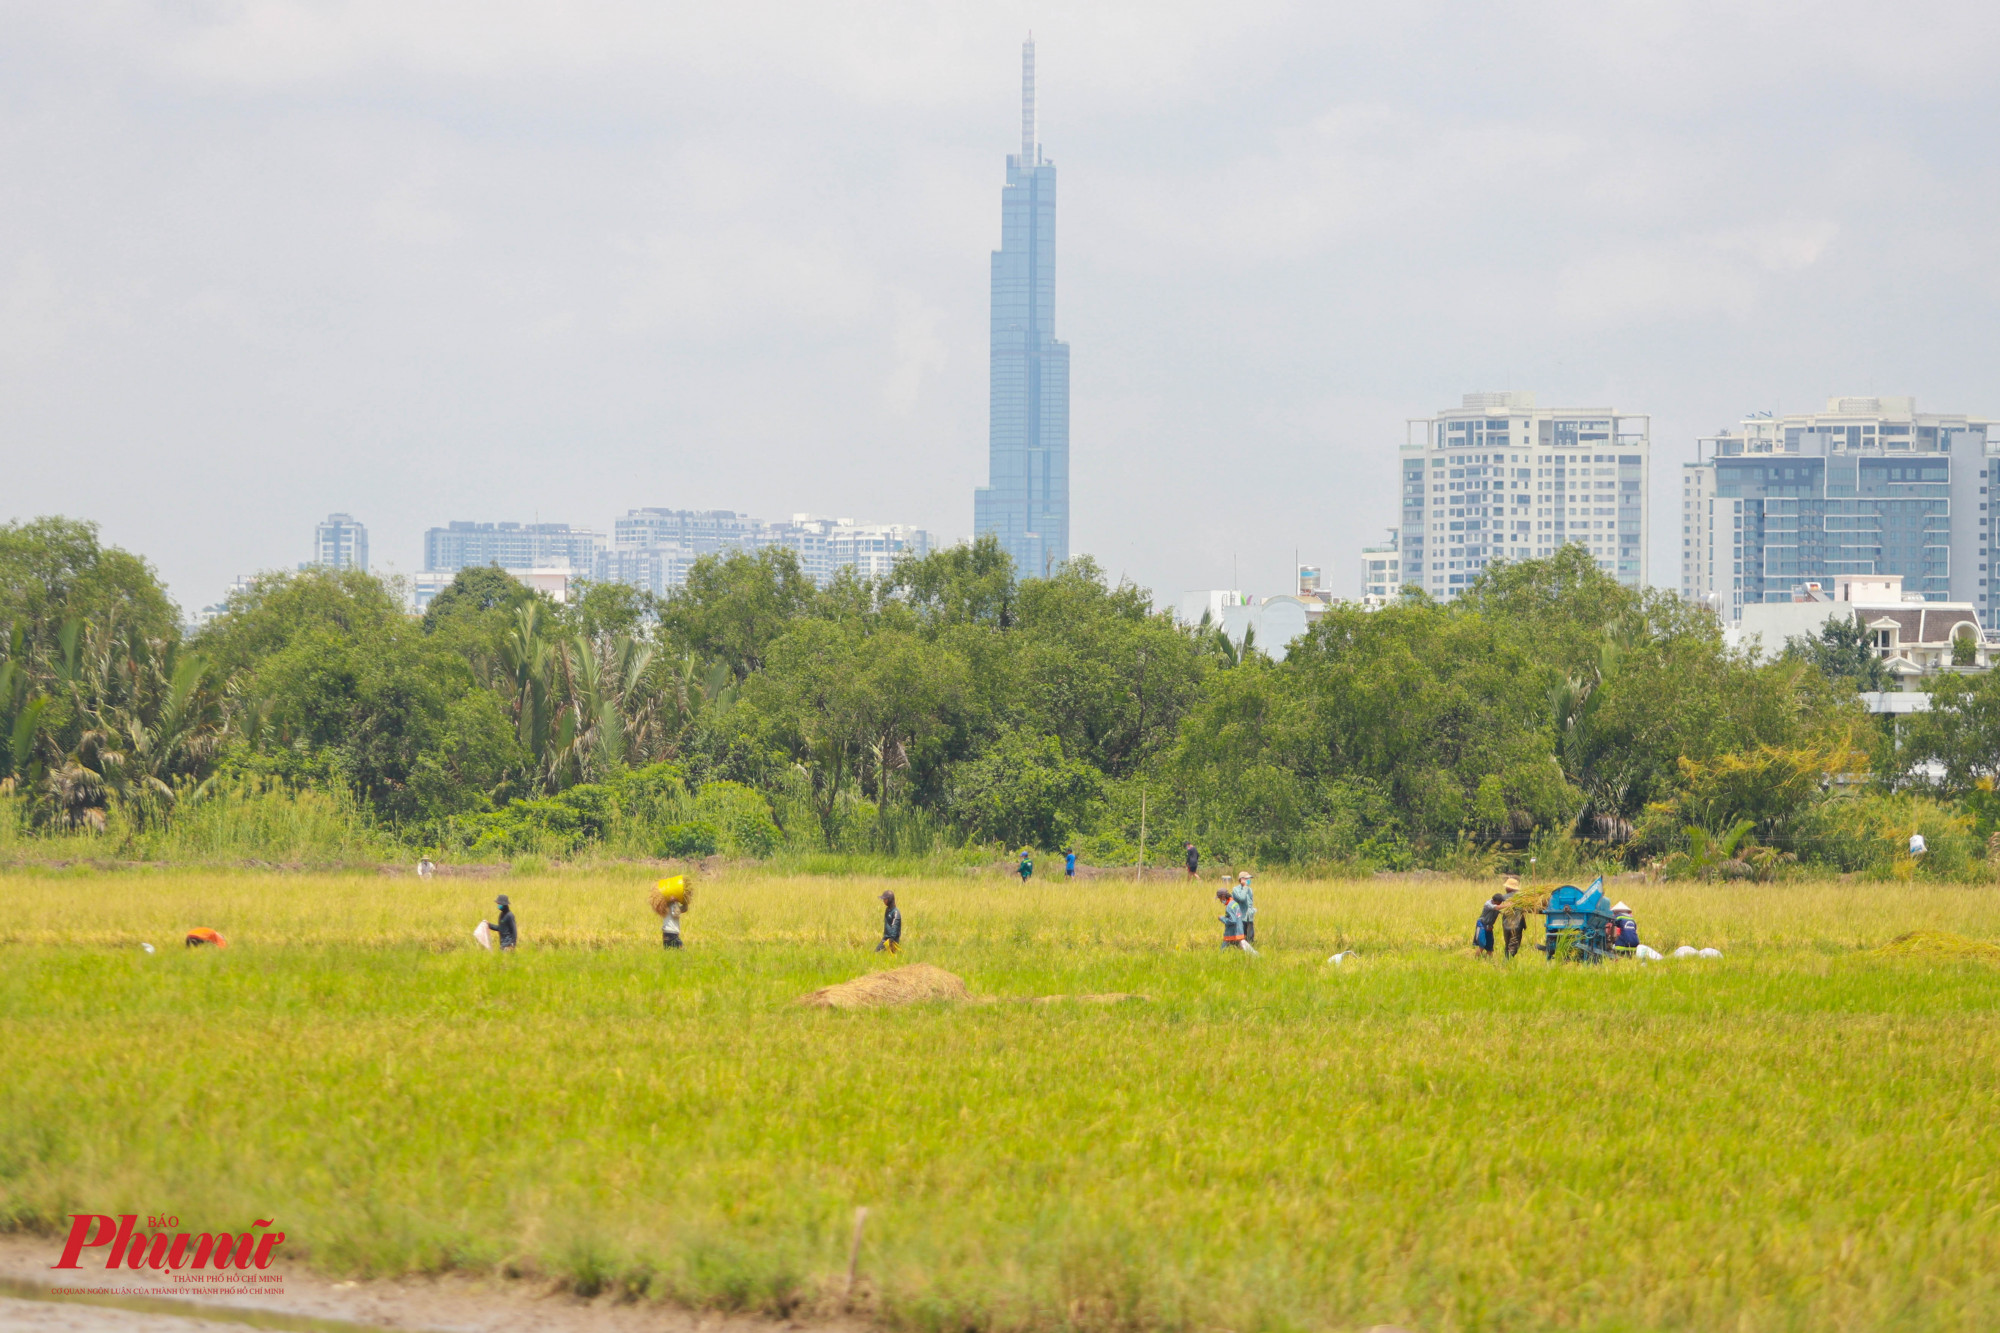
column 673, row 889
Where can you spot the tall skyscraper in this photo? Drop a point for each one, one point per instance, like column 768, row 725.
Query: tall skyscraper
column 1025, row 502
column 1867, row 488
column 341, row 543
column 1498, row 478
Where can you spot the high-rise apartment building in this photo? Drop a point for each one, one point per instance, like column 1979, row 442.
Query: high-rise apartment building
column 1869, row 487
column 512, row 546
column 341, row 543
column 1382, row 570
column 1498, row 478
column 654, row 548
column 1025, row 503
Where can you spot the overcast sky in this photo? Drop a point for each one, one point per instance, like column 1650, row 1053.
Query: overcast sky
column 496, row 260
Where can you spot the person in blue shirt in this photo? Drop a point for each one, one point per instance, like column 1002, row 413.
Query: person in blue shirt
column 1233, row 936
column 1246, row 900
column 1069, row 863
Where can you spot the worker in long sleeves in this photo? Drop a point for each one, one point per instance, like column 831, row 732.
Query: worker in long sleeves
column 505, row 927
column 1246, row 900
column 1482, row 930
column 1513, row 920
column 892, row 925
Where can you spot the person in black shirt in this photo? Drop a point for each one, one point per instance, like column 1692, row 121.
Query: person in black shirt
column 892, row 926
column 1193, row 861
column 1482, row 934
column 505, row 927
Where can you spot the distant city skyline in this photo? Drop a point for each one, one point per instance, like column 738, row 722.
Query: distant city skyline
column 509, row 262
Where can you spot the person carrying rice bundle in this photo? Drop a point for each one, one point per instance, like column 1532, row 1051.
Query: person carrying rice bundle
column 670, row 900
column 1513, row 917
column 1482, row 929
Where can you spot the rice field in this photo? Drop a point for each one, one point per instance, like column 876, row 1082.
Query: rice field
column 1799, row 1135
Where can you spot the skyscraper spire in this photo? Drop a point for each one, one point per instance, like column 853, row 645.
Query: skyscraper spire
column 1028, row 155
column 1025, row 503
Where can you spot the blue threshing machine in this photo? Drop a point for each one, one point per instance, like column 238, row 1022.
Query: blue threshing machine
column 1579, row 923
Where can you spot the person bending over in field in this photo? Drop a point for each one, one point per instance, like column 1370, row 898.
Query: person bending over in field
column 505, row 927
column 892, row 925
column 1623, row 930
column 1233, row 936
column 1482, row 930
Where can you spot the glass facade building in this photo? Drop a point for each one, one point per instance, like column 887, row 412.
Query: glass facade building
column 1870, row 486
column 1499, row 478
column 1025, row 502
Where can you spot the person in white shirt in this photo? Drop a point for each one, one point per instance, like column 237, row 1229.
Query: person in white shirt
column 1917, row 847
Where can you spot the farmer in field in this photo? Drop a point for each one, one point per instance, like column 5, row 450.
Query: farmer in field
column 892, row 925
column 670, row 900
column 1233, row 936
column 1513, row 919
column 1624, row 930
column 1027, row 867
column 1482, row 929
column 1246, row 900
column 1193, row 861
column 505, row 927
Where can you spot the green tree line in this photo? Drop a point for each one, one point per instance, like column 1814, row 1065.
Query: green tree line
column 1549, row 712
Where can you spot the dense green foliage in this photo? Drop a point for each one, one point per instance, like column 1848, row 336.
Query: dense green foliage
column 1549, row 713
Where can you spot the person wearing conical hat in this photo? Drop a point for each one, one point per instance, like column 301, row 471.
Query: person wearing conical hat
column 1513, row 921
column 1624, row 930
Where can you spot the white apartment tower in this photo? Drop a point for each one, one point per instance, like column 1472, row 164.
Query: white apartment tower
column 341, row 543
column 1499, row 478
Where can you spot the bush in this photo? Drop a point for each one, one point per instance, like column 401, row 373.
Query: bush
column 691, row 840
column 1871, row 834
column 739, row 817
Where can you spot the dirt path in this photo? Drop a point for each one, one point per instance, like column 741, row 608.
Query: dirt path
column 307, row 1302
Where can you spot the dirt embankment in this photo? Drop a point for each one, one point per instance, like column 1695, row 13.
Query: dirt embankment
column 449, row 1304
